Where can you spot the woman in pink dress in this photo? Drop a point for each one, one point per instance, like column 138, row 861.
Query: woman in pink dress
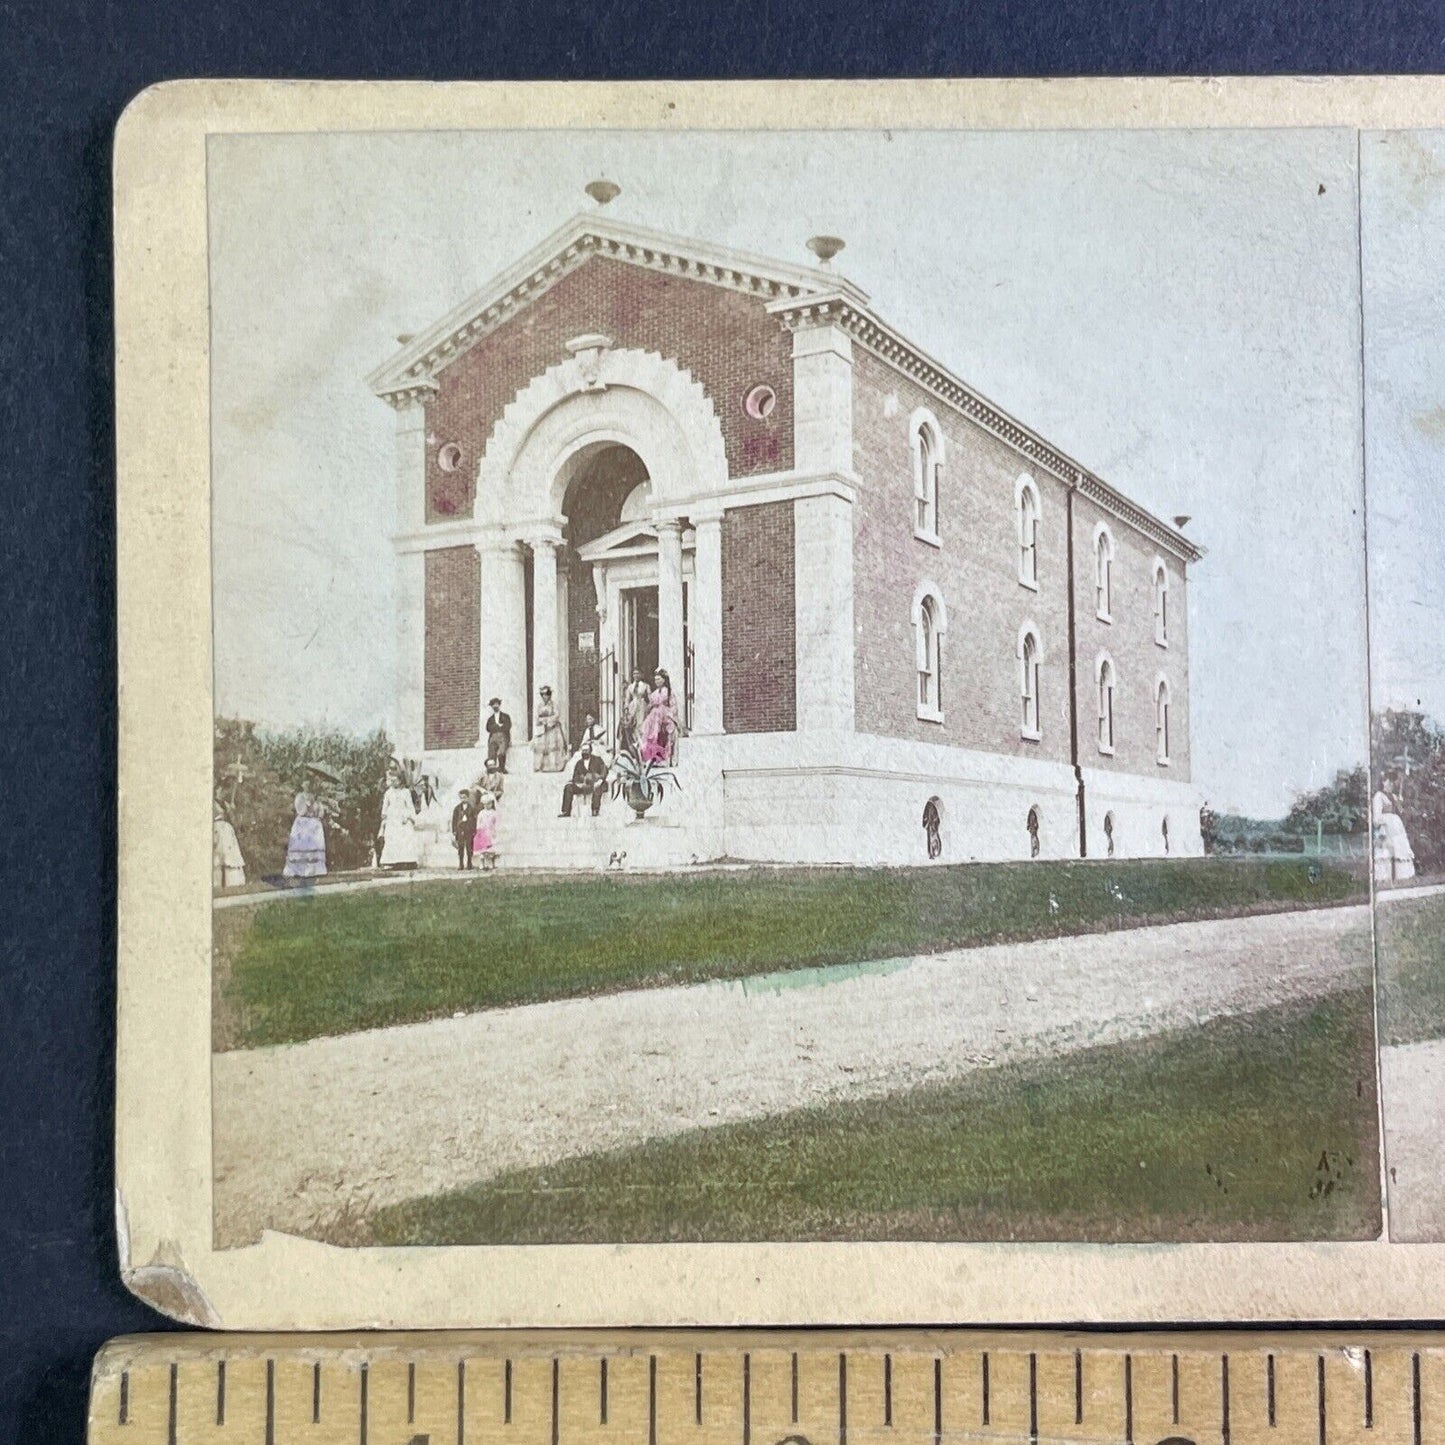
column 658, row 743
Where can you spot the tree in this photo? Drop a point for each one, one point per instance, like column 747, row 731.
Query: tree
column 258, row 774
column 1341, row 806
column 1408, row 757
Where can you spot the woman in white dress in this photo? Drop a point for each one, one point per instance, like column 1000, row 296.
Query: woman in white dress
column 399, row 848
column 306, row 846
column 228, row 867
column 549, row 746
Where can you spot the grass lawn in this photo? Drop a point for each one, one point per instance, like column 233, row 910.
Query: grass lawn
column 1254, row 1128
column 305, row 967
column 1410, row 955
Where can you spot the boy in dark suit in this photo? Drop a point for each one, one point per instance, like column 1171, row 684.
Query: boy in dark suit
column 464, row 823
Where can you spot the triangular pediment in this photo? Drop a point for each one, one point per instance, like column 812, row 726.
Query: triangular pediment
column 631, row 539
column 583, row 237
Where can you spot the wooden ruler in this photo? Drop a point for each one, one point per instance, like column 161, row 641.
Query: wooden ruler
column 910, row 1387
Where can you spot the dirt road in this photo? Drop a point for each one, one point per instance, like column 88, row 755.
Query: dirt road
column 308, row 1133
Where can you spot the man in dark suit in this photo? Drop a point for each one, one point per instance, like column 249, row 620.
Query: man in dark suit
column 589, row 779
column 499, row 735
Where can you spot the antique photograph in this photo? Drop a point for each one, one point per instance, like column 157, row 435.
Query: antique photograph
column 785, row 686
column 1403, row 222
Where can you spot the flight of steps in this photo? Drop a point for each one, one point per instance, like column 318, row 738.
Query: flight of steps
column 531, row 835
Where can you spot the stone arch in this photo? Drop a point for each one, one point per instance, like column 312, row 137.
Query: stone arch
column 638, row 399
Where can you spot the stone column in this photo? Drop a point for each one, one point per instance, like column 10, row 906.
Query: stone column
column 409, row 712
column 545, row 624
column 823, row 611
column 503, row 632
column 409, row 672
column 410, row 464
column 705, row 621
column 822, row 399
column 669, row 601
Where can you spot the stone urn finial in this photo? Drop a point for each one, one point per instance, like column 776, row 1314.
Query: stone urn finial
column 825, row 247
column 603, row 191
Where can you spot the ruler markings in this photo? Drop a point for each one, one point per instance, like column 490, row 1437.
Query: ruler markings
column 938, row 1400
column 1224, row 1399
column 1416, row 1410
column 1291, row 1406
column 1128, row 1398
column 1034, row 1399
column 747, row 1401
column 556, row 1393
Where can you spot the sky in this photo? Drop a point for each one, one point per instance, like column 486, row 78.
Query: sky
column 1403, row 241
column 1178, row 310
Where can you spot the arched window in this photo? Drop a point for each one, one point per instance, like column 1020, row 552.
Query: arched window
column 930, row 622
column 1032, row 823
column 1103, row 573
column 1109, row 834
column 1030, row 657
column 927, row 468
column 933, row 827
column 1104, row 674
column 1161, row 721
column 1026, row 495
column 1161, row 603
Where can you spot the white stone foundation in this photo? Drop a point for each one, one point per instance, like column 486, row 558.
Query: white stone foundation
column 823, row 798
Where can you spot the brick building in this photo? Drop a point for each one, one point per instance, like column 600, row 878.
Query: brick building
column 889, row 604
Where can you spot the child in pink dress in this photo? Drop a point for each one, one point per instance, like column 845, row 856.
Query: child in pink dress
column 484, row 839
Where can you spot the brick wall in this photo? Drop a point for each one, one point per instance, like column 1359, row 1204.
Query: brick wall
column 453, row 647
column 1129, row 641
column 976, row 569
column 759, row 621
column 724, row 338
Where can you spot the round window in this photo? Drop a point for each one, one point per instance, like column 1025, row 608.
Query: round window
column 759, row 402
column 449, row 457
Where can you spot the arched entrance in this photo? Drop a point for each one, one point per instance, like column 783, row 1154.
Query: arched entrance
column 604, row 433
column 609, row 584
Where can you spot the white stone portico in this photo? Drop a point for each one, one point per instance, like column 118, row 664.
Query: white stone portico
column 562, row 606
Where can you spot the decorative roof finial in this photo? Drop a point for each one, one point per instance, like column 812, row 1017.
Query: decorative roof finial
column 825, row 247
column 1181, row 522
column 602, row 191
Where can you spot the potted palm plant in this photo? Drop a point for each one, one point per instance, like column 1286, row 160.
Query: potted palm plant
column 640, row 784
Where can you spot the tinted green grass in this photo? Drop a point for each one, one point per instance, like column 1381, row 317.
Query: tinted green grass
column 1254, row 1128
column 334, row 964
column 1410, row 955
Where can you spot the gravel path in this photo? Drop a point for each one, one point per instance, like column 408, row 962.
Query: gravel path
column 1412, row 1084
column 307, row 1135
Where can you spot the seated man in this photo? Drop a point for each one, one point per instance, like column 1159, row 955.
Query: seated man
column 589, row 779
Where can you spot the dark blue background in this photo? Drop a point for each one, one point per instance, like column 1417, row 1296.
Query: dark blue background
column 67, row 72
